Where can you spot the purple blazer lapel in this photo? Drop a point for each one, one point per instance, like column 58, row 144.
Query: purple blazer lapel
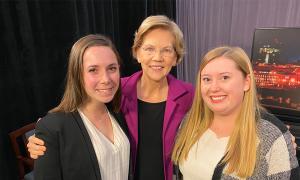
column 176, row 107
column 129, row 104
column 131, row 118
column 129, row 101
column 175, row 91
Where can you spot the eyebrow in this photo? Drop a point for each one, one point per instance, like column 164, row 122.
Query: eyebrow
column 113, row 64
column 95, row 65
column 222, row 73
column 167, row 46
column 225, row 73
column 92, row 66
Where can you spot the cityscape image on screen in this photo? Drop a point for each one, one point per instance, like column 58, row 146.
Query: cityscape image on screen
column 276, row 63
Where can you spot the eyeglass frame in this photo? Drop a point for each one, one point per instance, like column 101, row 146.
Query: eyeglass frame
column 150, row 51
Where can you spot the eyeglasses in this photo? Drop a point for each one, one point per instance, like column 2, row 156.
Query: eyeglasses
column 165, row 52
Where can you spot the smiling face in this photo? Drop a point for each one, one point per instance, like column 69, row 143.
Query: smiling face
column 222, row 86
column 101, row 74
column 156, row 54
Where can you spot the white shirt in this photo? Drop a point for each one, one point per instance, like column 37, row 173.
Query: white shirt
column 204, row 156
column 113, row 158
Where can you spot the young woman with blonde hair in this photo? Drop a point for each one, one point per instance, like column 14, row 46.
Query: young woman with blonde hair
column 224, row 136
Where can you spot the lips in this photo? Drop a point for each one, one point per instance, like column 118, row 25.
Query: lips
column 217, row 99
column 105, row 90
column 156, row 67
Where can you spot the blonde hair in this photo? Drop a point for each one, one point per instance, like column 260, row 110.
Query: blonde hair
column 74, row 94
column 157, row 22
column 240, row 154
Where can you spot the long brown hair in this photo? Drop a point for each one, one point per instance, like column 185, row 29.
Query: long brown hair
column 74, row 94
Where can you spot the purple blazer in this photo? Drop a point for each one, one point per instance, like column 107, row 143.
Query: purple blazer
column 179, row 101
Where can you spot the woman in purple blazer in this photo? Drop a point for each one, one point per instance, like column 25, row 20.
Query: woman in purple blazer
column 153, row 101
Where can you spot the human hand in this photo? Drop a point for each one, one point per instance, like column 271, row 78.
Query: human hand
column 35, row 147
column 293, row 141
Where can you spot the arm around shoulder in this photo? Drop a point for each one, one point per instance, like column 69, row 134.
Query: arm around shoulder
column 47, row 167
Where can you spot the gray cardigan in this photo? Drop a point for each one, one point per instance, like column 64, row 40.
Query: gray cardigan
column 276, row 158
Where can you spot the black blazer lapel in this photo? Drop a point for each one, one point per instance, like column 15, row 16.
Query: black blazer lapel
column 88, row 144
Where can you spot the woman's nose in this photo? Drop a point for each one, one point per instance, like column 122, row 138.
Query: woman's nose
column 157, row 55
column 215, row 86
column 104, row 78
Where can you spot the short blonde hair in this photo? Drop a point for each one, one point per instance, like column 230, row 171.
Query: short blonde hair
column 241, row 148
column 156, row 22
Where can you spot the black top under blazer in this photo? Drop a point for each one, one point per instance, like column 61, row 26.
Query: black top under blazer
column 70, row 154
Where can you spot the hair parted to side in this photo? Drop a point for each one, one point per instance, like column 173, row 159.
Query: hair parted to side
column 74, row 94
column 242, row 145
column 156, row 22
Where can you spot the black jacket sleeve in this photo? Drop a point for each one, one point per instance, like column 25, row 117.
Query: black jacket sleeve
column 48, row 166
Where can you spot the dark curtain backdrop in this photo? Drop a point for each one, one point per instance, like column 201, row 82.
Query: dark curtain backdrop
column 36, row 37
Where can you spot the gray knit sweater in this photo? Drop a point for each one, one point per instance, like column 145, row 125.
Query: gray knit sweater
column 275, row 156
column 276, row 159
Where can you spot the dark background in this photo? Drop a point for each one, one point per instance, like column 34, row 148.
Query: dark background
column 35, row 40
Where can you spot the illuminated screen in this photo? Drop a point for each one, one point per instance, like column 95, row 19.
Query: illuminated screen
column 276, row 63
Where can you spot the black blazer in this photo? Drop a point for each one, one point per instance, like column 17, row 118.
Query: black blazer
column 70, row 154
